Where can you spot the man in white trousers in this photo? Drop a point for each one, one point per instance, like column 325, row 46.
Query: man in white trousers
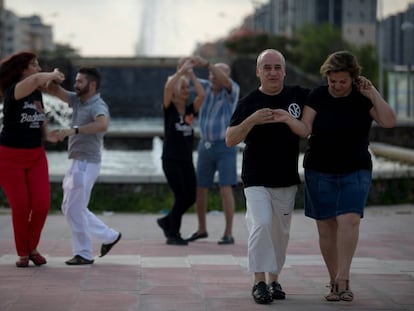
column 90, row 121
column 269, row 171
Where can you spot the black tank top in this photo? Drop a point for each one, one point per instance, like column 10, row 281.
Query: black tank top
column 22, row 120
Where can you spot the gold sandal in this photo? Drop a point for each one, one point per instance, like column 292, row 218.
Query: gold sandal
column 333, row 294
column 343, row 290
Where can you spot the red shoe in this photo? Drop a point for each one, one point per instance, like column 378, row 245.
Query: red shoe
column 23, row 262
column 37, row 259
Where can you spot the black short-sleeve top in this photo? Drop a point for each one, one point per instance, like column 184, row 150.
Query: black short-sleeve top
column 178, row 134
column 339, row 140
column 270, row 156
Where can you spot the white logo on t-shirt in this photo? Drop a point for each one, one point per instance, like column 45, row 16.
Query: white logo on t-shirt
column 294, row 110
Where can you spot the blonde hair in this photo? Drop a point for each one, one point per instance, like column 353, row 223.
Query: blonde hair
column 179, row 83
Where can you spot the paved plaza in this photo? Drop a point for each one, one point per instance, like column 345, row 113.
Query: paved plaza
column 143, row 273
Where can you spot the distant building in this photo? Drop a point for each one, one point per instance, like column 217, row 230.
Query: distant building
column 359, row 22
column 397, row 57
column 397, row 37
column 1, row 26
column 355, row 18
column 26, row 33
column 400, row 92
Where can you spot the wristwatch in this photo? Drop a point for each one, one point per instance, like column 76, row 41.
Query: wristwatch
column 76, row 129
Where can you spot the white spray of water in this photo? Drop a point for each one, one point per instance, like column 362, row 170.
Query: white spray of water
column 156, row 153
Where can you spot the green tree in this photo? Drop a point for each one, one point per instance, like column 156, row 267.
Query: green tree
column 307, row 50
column 368, row 59
column 62, row 50
column 252, row 43
column 314, row 44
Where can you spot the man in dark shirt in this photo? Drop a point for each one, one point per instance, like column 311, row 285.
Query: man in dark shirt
column 269, row 170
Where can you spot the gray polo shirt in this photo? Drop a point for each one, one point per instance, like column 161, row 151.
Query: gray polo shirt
column 86, row 147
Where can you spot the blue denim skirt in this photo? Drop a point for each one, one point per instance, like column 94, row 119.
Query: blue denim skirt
column 330, row 195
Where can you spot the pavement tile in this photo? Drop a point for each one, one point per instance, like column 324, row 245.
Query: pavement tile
column 143, row 273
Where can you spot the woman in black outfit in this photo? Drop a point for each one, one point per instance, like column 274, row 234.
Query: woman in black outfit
column 338, row 168
column 177, row 155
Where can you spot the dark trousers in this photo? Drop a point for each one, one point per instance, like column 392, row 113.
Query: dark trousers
column 181, row 179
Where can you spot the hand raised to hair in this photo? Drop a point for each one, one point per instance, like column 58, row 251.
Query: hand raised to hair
column 365, row 87
column 363, row 82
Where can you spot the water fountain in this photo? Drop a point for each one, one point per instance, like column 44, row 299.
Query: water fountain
column 132, row 166
column 57, row 111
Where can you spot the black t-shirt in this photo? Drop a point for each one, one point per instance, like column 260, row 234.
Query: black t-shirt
column 270, row 157
column 178, row 134
column 340, row 135
column 22, row 120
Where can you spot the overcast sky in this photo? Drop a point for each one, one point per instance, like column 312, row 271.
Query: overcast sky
column 113, row 28
column 171, row 27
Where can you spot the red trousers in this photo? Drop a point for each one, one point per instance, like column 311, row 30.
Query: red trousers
column 24, row 177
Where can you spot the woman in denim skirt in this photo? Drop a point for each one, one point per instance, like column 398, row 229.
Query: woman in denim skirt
column 337, row 119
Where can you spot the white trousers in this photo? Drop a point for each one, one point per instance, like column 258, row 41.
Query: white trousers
column 77, row 186
column 268, row 219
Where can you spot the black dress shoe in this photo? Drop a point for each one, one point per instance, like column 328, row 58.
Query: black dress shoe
column 261, row 293
column 276, row 291
column 105, row 248
column 176, row 240
column 226, row 240
column 78, row 260
column 196, row 236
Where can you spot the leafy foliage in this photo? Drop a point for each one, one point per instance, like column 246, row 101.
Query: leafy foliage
column 315, row 43
column 367, row 57
column 307, row 50
column 62, row 50
column 250, row 42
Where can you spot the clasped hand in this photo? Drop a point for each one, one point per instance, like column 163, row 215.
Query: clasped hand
column 59, row 77
column 55, row 136
column 267, row 115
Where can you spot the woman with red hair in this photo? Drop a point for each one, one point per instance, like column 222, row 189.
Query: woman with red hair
column 24, row 175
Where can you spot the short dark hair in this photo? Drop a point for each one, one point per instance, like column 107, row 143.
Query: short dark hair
column 92, row 74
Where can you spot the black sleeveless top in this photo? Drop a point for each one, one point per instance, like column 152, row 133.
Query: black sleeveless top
column 22, row 120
